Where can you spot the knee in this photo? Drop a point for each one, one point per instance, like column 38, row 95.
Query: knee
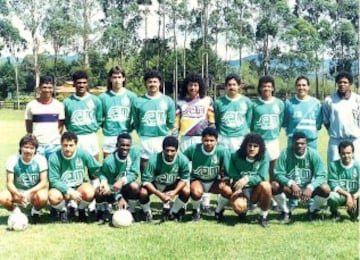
column 325, row 189
column 55, row 197
column 275, row 187
column 40, row 197
column 265, row 188
column 134, row 188
column 196, row 193
column 87, row 192
column 143, row 194
column 185, row 192
column 226, row 191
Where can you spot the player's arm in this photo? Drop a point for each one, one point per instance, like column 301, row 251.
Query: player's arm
column 184, row 174
column 54, row 175
column 92, row 164
column 320, row 174
column 333, row 179
column 326, row 114
column 177, row 124
column 249, row 112
column 29, row 126
column 10, row 184
column 179, row 186
column 281, row 114
column 135, row 116
column 61, row 121
column 170, row 118
column 262, row 175
column 211, row 113
column 280, row 171
column 319, row 118
column 98, row 112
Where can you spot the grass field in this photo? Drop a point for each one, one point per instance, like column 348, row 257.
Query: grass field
column 323, row 239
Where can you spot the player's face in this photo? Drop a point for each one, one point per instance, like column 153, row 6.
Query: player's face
column 209, row 143
column 302, row 88
column 152, row 86
column 117, row 81
column 169, row 153
column 68, row 147
column 123, row 146
column 232, row 88
column 46, row 90
column 252, row 149
column 27, row 152
column 266, row 90
column 81, row 86
column 346, row 155
column 344, row 86
column 299, row 146
column 193, row 89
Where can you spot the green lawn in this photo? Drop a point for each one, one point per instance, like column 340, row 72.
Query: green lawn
column 323, row 239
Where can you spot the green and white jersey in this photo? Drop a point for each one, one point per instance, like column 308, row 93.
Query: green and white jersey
column 257, row 171
column 154, row 116
column 117, row 112
column 267, row 118
column 83, row 115
column 344, row 177
column 304, row 170
column 233, row 116
column 206, row 166
column 65, row 173
column 26, row 175
column 114, row 168
column 164, row 172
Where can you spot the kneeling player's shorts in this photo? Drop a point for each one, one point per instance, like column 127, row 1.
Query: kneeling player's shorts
column 150, row 145
column 273, row 149
column 109, row 144
column 89, row 143
column 232, row 143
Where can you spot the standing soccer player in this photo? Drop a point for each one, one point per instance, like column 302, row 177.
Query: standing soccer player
column 118, row 178
column 68, row 178
column 341, row 116
column 117, row 109
column 300, row 174
column 249, row 170
column 154, row 117
column 303, row 113
column 344, row 181
column 26, row 179
column 233, row 114
column 83, row 114
column 44, row 118
column 166, row 175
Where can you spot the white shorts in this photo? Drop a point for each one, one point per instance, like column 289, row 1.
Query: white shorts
column 273, row 149
column 187, row 141
column 232, row 143
column 109, row 144
column 47, row 149
column 150, row 146
column 89, row 143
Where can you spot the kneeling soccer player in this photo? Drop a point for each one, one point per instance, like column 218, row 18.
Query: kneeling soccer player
column 300, row 174
column 166, row 175
column 118, row 174
column 249, row 169
column 208, row 162
column 344, row 182
column 68, row 179
column 26, row 179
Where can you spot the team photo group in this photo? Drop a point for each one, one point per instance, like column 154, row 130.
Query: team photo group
column 185, row 151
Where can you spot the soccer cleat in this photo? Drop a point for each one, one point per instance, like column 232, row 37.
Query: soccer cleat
column 353, row 215
column 54, row 214
column 312, row 215
column 72, row 213
column 149, row 217
column 100, row 217
column 242, row 218
column 64, row 217
column 263, row 221
column 196, row 215
column 165, row 214
column 177, row 216
column 285, row 218
column 207, row 210
column 335, row 214
column 35, row 218
column 219, row 216
column 82, row 216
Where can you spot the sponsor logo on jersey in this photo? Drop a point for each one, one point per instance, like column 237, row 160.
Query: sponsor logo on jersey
column 163, row 105
column 301, row 176
column 268, row 121
column 79, row 163
column 28, row 179
column 166, row 178
column 73, row 178
column 118, row 113
column 233, row 119
column 194, row 111
column 83, row 117
column 206, row 173
column 154, row 118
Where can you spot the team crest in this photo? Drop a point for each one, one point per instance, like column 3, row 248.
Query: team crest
column 78, row 163
column 125, row 101
column 163, row 105
column 355, row 174
column 214, row 160
column 243, row 107
column 276, row 109
column 90, row 104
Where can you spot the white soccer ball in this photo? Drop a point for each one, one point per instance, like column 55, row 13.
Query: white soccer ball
column 122, row 218
column 17, row 221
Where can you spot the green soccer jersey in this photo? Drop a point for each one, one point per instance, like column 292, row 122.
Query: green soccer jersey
column 233, row 116
column 154, row 116
column 304, row 170
column 83, row 115
column 257, row 171
column 114, row 168
column 164, row 172
column 117, row 112
column 26, row 175
column 65, row 173
column 207, row 166
column 344, row 177
column 267, row 118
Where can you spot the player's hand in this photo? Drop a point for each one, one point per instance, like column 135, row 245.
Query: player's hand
column 122, row 204
column 25, row 198
column 104, row 189
column 240, row 184
column 295, row 190
column 171, row 194
column 306, row 195
column 236, row 194
column 350, row 203
column 75, row 195
column 165, row 198
column 118, row 185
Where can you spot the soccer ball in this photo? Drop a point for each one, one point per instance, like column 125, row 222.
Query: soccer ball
column 122, row 218
column 17, row 221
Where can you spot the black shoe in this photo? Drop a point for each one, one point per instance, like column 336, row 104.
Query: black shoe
column 242, row 218
column 64, row 217
column 285, row 218
column 71, row 213
column 195, row 215
column 207, row 210
column 54, row 214
column 165, row 214
column 353, row 215
column 82, row 216
column 100, row 217
column 313, row 215
column 219, row 216
column 148, row 217
column 35, row 218
column 177, row 216
column 335, row 215
column 263, row 221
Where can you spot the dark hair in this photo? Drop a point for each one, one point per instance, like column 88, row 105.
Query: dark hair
column 344, row 144
column 115, row 70
column 344, row 74
column 252, row 138
column 302, row 77
column 28, row 139
column 80, row 74
column 152, row 74
column 69, row 136
column 209, row 131
column 233, row 76
column 193, row 78
column 123, row 136
column 266, row 79
column 170, row 141
column 298, row 135
column 46, row 80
